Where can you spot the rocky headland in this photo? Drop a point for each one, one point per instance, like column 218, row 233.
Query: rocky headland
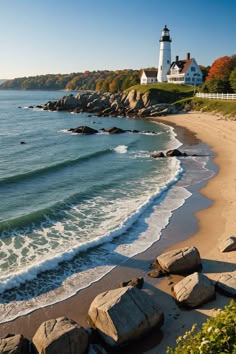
column 131, row 104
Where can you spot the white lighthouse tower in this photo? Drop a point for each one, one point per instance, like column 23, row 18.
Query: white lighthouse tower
column 165, row 55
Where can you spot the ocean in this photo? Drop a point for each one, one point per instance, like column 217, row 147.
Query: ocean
column 72, row 206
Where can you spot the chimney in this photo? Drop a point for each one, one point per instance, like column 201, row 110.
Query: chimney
column 177, row 58
column 188, row 56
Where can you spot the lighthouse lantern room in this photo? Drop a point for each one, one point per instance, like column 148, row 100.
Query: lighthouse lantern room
column 165, row 55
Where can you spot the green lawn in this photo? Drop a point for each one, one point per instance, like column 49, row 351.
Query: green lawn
column 224, row 107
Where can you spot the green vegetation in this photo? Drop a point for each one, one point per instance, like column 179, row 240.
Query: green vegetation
column 220, row 77
column 113, row 81
column 226, row 108
column 232, row 79
column 217, row 335
column 164, row 92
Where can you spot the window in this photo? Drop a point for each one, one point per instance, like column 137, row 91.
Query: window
column 168, row 62
column 193, row 68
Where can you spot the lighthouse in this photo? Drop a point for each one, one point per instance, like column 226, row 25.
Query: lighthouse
column 165, row 55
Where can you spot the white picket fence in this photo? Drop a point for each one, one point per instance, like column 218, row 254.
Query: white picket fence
column 217, row 96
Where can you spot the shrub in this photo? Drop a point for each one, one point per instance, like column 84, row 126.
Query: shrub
column 216, row 336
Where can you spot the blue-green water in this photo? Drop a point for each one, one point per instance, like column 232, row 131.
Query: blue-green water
column 72, row 206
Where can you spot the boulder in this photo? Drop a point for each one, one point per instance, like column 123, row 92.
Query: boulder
column 114, row 130
column 226, row 284
column 194, row 290
column 175, row 152
column 14, row 344
column 50, row 106
column 67, row 103
column 133, row 100
column 180, row 261
column 83, row 130
column 228, row 244
column 124, row 314
column 156, row 155
column 60, row 335
column 137, row 282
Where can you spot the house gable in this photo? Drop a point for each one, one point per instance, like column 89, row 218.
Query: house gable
column 148, row 77
column 185, row 71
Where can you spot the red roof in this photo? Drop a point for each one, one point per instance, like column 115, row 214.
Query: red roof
column 183, row 65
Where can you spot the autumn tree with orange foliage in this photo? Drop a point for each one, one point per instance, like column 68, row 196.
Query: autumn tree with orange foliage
column 220, row 69
column 218, row 78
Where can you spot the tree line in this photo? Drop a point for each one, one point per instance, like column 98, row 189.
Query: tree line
column 219, row 77
column 104, row 81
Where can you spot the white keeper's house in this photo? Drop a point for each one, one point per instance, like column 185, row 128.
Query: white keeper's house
column 184, row 71
column 148, row 76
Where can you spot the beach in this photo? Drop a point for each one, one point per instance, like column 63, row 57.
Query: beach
column 215, row 222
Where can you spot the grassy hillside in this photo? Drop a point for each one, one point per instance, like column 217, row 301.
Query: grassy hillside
column 163, row 86
column 224, row 107
column 164, row 92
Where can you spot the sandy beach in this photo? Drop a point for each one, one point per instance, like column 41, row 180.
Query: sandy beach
column 214, row 223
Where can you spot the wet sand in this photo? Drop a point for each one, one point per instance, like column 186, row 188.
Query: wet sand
column 215, row 221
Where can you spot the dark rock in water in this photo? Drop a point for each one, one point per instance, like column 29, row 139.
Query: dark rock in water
column 114, row 130
column 22, row 142
column 136, row 282
column 157, row 154
column 174, row 152
column 83, row 130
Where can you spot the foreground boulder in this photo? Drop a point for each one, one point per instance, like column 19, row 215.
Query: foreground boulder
column 14, row 344
column 227, row 284
column 194, row 290
column 180, row 261
column 228, row 244
column 124, row 314
column 60, row 335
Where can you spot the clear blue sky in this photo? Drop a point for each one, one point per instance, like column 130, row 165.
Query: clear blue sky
column 58, row 36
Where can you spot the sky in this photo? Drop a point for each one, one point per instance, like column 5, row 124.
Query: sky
column 41, row 37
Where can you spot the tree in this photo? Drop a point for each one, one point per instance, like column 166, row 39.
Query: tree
column 232, row 80
column 220, row 69
column 217, row 86
column 205, row 71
